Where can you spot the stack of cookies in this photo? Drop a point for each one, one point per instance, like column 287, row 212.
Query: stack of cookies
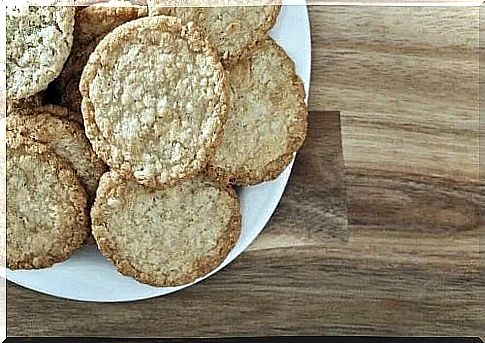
column 129, row 125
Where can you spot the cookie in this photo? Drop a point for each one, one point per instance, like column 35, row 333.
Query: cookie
column 154, row 100
column 169, row 236
column 267, row 119
column 47, row 217
column 66, row 139
column 92, row 24
column 233, row 30
column 38, row 41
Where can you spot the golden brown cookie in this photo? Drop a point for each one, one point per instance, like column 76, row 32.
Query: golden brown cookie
column 38, row 42
column 165, row 237
column 154, row 100
column 234, row 30
column 46, row 206
column 267, row 118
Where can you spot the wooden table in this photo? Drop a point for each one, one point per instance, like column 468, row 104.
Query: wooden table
column 393, row 143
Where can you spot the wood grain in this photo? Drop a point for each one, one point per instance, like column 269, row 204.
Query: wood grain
column 410, row 120
column 401, row 84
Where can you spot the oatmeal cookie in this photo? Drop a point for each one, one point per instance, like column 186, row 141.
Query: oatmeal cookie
column 267, row 119
column 154, row 100
column 47, row 216
column 181, row 232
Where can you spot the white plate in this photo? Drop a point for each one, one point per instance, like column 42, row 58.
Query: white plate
column 87, row 276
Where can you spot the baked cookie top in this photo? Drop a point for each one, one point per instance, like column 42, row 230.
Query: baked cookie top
column 233, row 30
column 267, row 118
column 154, row 100
column 169, row 236
column 46, row 206
column 66, row 139
column 38, row 42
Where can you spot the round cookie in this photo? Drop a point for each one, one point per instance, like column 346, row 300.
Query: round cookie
column 92, row 24
column 234, row 30
column 154, row 100
column 182, row 232
column 46, row 206
column 267, row 118
column 66, row 139
column 38, row 41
